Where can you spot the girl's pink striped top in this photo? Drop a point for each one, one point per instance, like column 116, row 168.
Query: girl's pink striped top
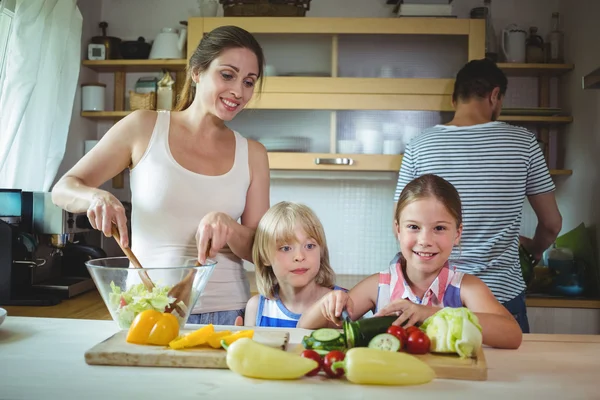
column 443, row 292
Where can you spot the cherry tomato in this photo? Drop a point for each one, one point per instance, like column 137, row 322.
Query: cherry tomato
column 418, row 342
column 330, row 358
column 313, row 355
column 399, row 333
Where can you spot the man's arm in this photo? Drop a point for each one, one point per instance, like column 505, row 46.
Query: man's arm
column 549, row 223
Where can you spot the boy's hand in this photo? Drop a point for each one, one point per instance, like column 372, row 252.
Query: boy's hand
column 333, row 304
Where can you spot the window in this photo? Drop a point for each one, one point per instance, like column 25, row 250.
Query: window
column 6, row 17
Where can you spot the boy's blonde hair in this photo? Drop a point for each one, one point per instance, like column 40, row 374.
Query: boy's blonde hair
column 276, row 228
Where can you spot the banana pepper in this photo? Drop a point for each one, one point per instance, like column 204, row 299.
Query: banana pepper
column 367, row 366
column 153, row 327
column 256, row 360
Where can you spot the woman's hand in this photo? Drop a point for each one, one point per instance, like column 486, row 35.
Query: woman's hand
column 214, row 231
column 332, row 305
column 407, row 311
column 104, row 210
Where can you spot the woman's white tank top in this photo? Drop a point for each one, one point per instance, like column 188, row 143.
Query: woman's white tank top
column 168, row 202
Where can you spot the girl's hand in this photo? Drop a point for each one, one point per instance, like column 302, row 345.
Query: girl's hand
column 214, row 231
column 105, row 210
column 332, row 305
column 408, row 312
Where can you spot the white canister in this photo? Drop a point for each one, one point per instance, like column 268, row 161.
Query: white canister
column 92, row 96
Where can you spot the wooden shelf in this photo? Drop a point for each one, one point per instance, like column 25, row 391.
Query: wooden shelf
column 561, row 172
column 135, row 65
column 522, row 69
column 536, row 119
column 309, row 25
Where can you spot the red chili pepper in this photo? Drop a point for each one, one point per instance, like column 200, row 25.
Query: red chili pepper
column 330, row 358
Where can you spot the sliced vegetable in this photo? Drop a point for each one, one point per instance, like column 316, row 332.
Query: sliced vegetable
column 359, row 333
column 214, row 340
column 385, row 341
column 454, row 330
column 326, row 335
column 418, row 343
column 227, row 340
column 329, row 360
column 313, row 355
column 324, row 347
column 400, row 333
column 375, row 367
column 256, row 360
column 153, row 327
column 196, row 338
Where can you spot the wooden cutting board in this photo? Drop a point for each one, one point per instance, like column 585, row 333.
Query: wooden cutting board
column 116, row 351
column 450, row 366
column 453, row 367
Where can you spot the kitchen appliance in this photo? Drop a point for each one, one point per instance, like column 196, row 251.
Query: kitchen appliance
column 43, row 250
column 96, row 51
column 513, row 44
column 169, row 43
column 135, row 49
column 110, row 43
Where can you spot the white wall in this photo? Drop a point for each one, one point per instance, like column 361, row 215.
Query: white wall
column 579, row 197
column 355, row 211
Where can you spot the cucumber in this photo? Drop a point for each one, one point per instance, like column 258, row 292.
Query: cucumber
column 325, row 335
column 359, row 333
column 385, row 341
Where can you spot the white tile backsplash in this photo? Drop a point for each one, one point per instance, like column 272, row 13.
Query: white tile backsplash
column 356, row 215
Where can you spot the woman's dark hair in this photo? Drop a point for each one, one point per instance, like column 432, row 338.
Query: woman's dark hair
column 211, row 46
column 477, row 79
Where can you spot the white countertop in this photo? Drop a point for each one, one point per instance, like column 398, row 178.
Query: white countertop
column 43, row 358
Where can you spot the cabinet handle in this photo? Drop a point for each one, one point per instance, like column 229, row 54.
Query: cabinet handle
column 334, row 161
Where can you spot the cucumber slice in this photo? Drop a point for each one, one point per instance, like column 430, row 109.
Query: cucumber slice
column 326, row 335
column 385, row 341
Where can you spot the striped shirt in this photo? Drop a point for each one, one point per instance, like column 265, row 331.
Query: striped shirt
column 493, row 166
column 444, row 291
column 273, row 313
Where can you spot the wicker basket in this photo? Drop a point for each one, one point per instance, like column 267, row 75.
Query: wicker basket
column 265, row 8
column 142, row 101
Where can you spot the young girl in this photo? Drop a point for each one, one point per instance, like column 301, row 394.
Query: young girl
column 420, row 281
column 292, row 266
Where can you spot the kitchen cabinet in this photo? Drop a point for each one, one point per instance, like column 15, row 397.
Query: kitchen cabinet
column 337, row 92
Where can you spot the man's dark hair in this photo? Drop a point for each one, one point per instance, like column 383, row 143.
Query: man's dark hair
column 477, row 79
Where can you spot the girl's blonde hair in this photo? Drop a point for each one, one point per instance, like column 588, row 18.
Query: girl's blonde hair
column 427, row 186
column 275, row 229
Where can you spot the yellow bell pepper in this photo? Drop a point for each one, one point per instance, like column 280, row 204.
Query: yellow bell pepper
column 214, row 340
column 229, row 339
column 256, row 360
column 153, row 327
column 196, row 338
column 367, row 366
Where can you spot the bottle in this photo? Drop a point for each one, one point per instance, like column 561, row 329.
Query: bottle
column 556, row 40
column 535, row 47
column 491, row 42
column 165, row 95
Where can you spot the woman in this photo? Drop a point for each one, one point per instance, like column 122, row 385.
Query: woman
column 192, row 178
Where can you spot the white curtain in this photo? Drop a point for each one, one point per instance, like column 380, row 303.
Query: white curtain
column 38, row 91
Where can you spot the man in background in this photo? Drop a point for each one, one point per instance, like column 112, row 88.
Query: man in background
column 494, row 166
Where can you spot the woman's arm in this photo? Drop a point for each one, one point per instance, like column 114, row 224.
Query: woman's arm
column 328, row 310
column 77, row 191
column 251, row 311
column 500, row 329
